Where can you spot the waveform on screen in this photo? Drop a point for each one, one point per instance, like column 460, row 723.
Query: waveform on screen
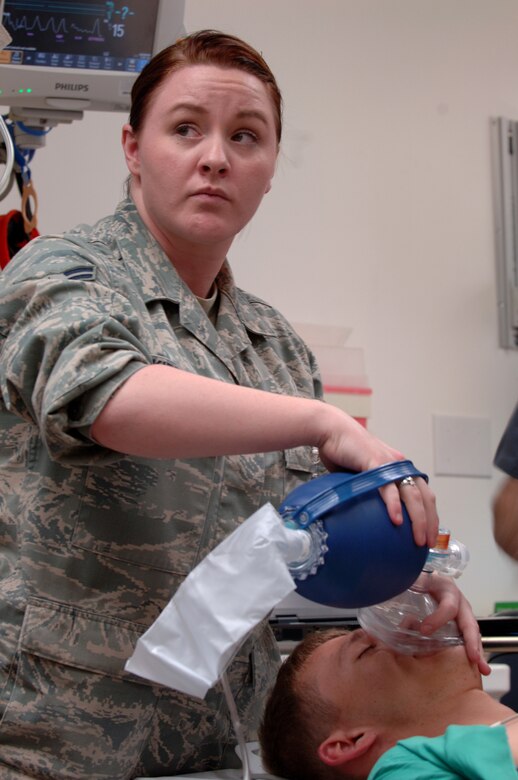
column 57, row 26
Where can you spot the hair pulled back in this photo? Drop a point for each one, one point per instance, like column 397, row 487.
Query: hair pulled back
column 206, row 47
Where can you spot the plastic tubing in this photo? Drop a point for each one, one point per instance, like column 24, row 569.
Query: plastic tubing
column 9, row 159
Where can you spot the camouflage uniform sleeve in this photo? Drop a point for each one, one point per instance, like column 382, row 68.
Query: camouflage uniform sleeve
column 295, row 351
column 68, row 341
column 315, row 372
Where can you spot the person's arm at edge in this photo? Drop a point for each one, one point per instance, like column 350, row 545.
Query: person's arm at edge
column 512, row 736
column 505, row 517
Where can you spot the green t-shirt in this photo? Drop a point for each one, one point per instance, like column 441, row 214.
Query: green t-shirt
column 461, row 753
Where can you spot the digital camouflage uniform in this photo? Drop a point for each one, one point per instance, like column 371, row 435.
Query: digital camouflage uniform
column 94, row 543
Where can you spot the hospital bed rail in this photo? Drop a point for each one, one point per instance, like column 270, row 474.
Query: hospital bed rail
column 499, row 632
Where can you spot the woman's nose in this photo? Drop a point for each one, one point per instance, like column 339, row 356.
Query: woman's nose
column 214, row 157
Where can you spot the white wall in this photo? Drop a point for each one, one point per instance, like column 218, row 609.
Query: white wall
column 381, row 213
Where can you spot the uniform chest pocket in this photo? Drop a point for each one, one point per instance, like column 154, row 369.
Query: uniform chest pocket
column 149, row 513
column 302, row 463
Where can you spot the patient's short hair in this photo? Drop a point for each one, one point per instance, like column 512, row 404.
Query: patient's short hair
column 296, row 720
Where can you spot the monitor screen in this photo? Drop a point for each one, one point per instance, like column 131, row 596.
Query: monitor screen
column 84, row 54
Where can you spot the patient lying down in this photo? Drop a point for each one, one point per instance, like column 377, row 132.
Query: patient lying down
column 343, row 699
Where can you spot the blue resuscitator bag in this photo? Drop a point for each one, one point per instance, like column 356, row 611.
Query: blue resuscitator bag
column 359, row 556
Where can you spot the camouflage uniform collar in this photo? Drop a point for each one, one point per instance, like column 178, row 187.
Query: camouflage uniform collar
column 144, row 257
column 158, row 278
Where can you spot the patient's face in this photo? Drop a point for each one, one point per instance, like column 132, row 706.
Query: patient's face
column 370, row 683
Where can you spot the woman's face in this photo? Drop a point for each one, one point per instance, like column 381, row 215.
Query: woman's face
column 204, row 157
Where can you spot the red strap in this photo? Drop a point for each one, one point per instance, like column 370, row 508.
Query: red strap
column 12, row 235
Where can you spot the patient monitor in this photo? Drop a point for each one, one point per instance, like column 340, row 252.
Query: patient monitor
column 65, row 58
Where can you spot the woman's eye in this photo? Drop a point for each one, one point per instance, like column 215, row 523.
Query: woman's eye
column 245, row 137
column 186, row 131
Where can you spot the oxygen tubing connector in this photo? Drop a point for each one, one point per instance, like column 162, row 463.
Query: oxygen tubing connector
column 306, row 550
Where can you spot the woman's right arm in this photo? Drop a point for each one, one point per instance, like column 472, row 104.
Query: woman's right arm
column 163, row 412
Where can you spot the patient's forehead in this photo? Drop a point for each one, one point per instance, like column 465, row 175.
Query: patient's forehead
column 347, row 665
column 362, row 680
column 332, row 659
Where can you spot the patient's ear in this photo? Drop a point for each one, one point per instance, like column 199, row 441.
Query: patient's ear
column 343, row 746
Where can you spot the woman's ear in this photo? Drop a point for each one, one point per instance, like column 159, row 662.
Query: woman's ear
column 131, row 150
column 344, row 746
column 269, row 185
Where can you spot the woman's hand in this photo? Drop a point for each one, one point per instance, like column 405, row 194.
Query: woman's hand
column 347, row 444
column 453, row 605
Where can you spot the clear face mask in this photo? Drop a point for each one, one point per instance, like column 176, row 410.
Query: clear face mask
column 397, row 621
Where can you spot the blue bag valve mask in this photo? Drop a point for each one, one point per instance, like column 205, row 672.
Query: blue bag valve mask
column 358, row 556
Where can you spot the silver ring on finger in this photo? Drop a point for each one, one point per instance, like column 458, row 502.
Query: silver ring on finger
column 407, row 482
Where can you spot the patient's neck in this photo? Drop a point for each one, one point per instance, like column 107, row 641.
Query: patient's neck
column 469, row 708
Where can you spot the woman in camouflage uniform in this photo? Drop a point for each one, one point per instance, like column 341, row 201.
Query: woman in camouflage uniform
column 147, row 407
